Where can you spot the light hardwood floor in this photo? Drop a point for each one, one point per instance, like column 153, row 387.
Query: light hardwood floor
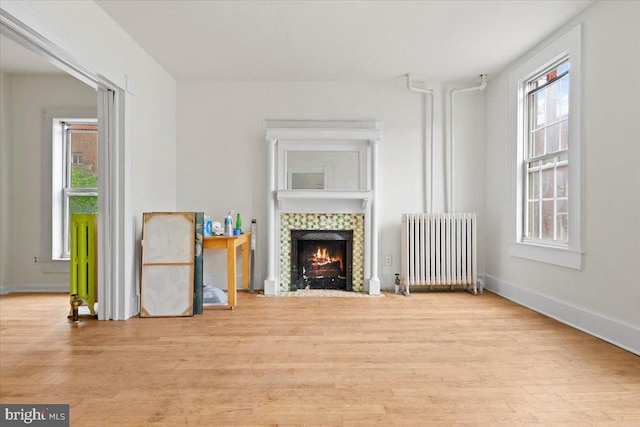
column 429, row 359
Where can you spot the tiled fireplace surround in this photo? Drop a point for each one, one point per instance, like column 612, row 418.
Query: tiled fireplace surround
column 324, row 209
column 313, row 221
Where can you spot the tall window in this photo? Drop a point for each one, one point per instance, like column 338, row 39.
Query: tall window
column 546, row 155
column 546, row 206
column 75, row 183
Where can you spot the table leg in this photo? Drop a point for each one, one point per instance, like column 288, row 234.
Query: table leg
column 231, row 273
column 246, row 251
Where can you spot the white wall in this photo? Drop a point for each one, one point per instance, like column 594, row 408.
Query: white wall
column 151, row 105
column 604, row 297
column 30, row 94
column 221, row 150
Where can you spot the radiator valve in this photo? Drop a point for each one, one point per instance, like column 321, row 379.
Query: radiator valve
column 398, row 283
column 75, row 303
column 401, row 288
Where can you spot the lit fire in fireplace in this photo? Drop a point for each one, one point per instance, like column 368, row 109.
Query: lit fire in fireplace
column 322, row 264
column 321, row 259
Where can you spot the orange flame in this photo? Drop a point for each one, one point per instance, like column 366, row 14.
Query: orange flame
column 322, row 257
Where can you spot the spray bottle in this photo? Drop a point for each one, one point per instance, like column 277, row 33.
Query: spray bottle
column 228, row 225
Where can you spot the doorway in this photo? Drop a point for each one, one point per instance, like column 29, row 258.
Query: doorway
column 108, row 101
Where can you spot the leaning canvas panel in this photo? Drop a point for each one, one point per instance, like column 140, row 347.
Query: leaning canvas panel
column 168, row 238
column 168, row 290
column 167, row 264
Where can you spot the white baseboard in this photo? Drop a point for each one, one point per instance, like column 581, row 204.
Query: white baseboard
column 612, row 331
column 220, row 281
column 34, row 287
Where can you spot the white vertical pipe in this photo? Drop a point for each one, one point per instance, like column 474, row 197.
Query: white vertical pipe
column 428, row 154
column 474, row 252
column 483, row 84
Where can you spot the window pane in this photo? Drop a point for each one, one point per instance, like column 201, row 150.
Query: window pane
column 539, row 109
column 562, row 179
column 563, row 96
column 540, row 82
column 552, row 107
column 548, row 218
column 553, row 138
column 84, row 157
column 83, row 204
column 537, row 148
column 563, row 67
column 547, row 181
column 561, row 227
column 564, row 134
column 534, row 192
column 533, row 229
column 561, row 206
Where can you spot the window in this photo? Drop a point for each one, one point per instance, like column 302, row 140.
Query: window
column 77, row 158
column 546, row 160
column 546, row 205
column 75, row 177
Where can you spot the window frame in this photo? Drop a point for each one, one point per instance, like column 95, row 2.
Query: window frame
column 567, row 254
column 558, row 157
column 67, row 191
column 61, row 250
column 52, row 202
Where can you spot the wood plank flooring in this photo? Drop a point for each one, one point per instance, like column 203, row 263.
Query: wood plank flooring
column 429, row 359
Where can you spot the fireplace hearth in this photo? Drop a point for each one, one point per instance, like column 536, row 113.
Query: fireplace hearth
column 321, row 259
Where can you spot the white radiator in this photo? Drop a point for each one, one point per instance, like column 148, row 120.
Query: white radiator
column 439, row 250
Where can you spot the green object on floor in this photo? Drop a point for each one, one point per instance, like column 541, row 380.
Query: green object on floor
column 83, row 277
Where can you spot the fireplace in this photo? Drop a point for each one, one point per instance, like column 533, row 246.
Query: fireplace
column 321, row 259
column 338, row 202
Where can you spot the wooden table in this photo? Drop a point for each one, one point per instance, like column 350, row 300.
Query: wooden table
column 230, row 243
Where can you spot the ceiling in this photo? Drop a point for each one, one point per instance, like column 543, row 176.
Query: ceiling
column 443, row 41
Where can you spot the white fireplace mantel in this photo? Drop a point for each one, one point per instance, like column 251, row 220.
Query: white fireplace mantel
column 356, row 136
column 326, row 196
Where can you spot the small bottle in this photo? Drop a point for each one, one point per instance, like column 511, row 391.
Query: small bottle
column 228, row 226
column 238, row 223
column 207, row 229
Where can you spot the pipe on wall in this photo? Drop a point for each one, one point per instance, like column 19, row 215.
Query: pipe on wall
column 428, row 154
column 483, row 84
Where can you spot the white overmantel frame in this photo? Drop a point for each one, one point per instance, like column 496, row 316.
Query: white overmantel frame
column 282, row 136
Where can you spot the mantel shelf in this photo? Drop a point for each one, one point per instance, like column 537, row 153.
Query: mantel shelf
column 364, row 196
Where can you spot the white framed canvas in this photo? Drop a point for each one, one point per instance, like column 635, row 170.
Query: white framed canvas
column 167, row 264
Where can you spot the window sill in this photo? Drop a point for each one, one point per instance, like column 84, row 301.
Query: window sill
column 563, row 257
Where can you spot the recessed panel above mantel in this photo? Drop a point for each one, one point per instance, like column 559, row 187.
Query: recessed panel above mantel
column 323, row 155
column 323, row 170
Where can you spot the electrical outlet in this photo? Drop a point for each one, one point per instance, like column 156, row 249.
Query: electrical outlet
column 35, row 259
column 388, row 260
